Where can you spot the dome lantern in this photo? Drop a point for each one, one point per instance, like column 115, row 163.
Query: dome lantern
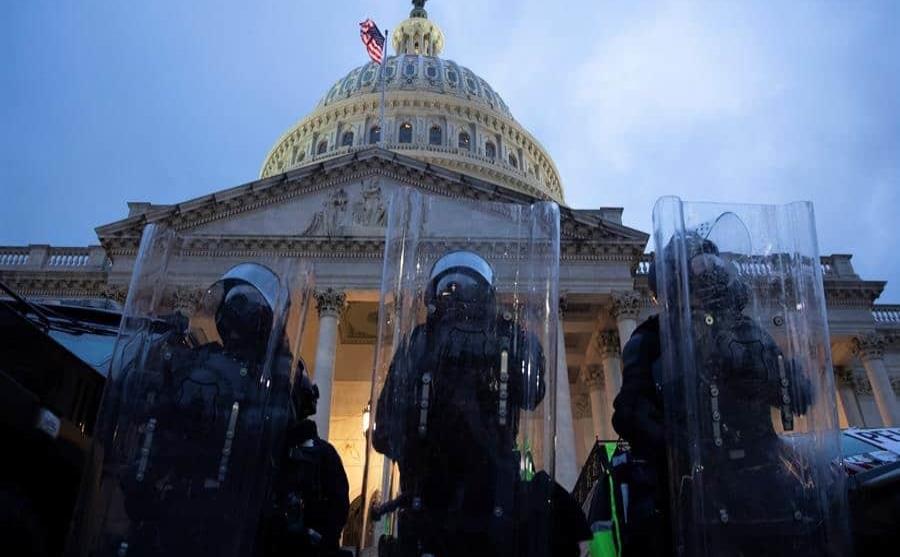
column 417, row 34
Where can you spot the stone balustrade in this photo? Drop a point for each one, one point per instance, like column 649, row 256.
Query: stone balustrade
column 13, row 256
column 49, row 258
column 885, row 314
column 833, row 266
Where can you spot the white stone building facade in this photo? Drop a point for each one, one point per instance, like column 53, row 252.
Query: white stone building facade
column 323, row 192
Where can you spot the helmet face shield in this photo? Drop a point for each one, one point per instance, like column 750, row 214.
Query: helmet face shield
column 243, row 315
column 459, row 287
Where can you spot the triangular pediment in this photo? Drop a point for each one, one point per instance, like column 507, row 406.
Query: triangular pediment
column 342, row 198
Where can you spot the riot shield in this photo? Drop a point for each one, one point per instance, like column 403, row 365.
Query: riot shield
column 196, row 404
column 753, row 439
column 462, row 435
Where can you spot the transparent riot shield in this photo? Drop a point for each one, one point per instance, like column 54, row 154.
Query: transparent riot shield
column 754, row 453
column 462, row 432
column 196, row 404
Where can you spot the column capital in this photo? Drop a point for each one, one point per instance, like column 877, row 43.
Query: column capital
column 844, row 376
column 608, row 343
column 185, row 299
column 593, row 376
column 581, row 406
column 869, row 346
column 330, row 302
column 115, row 293
column 626, row 304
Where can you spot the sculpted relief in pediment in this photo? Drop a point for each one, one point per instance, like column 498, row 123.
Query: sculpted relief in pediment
column 355, row 209
column 343, row 215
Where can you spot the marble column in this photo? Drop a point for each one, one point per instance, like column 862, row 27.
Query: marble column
column 566, row 467
column 848, row 406
column 329, row 303
column 593, row 377
column 626, row 308
column 610, row 356
column 870, row 350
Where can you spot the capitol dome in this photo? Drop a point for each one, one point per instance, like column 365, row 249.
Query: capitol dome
column 436, row 111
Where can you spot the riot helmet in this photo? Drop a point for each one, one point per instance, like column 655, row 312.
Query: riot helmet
column 460, row 286
column 304, row 393
column 244, row 314
column 713, row 281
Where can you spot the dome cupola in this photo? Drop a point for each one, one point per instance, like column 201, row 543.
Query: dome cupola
column 417, row 34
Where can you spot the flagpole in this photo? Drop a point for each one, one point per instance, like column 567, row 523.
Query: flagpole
column 383, row 86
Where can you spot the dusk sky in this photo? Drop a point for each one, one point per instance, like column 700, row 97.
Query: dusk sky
column 104, row 102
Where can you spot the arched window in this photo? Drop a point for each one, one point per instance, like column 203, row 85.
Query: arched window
column 435, row 136
column 513, row 161
column 374, row 135
column 347, row 139
column 405, row 132
column 490, row 150
column 464, row 142
column 323, row 146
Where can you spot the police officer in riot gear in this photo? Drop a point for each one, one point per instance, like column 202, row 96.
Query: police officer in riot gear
column 310, row 495
column 756, row 499
column 191, row 474
column 638, row 417
column 448, row 416
column 743, row 375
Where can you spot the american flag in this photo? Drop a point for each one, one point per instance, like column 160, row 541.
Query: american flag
column 373, row 39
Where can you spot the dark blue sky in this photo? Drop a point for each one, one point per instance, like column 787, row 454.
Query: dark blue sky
column 104, row 102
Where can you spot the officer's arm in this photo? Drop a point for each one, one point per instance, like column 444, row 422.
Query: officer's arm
column 533, row 385
column 389, row 415
column 636, row 416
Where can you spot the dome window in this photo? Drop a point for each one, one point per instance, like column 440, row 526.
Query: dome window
column 435, row 136
column 405, row 132
column 347, row 139
column 323, row 146
column 513, row 161
column 374, row 135
column 464, row 141
column 490, row 150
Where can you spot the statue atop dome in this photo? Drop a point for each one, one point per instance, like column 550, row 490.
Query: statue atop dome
column 418, row 9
